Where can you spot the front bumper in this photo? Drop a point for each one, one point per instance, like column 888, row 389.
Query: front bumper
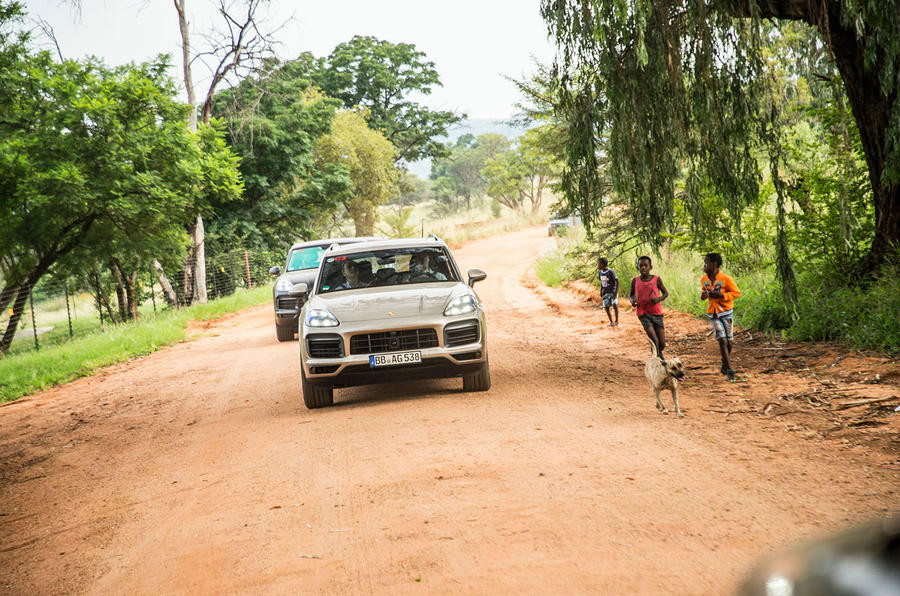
column 287, row 310
column 455, row 355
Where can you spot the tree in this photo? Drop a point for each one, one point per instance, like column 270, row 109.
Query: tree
column 369, row 158
column 89, row 155
column 679, row 87
column 524, row 173
column 241, row 45
column 459, row 174
column 380, row 77
column 274, row 122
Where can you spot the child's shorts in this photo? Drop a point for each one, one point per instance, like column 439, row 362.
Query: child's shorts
column 723, row 325
column 649, row 321
column 609, row 300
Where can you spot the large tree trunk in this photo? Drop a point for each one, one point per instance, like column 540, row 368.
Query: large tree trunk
column 199, row 237
column 120, row 288
column 871, row 108
column 21, row 293
column 872, row 112
column 131, row 295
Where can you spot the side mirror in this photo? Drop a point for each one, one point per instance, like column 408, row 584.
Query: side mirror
column 276, row 270
column 299, row 291
column 476, row 275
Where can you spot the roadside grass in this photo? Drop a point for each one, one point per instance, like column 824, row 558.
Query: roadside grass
column 29, row 371
column 865, row 318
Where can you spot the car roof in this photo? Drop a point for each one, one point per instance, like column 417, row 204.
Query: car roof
column 330, row 241
column 381, row 244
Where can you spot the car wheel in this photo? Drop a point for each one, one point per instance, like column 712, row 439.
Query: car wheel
column 480, row 381
column 284, row 333
column 316, row 396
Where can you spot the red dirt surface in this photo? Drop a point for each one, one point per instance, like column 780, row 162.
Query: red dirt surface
column 198, row 469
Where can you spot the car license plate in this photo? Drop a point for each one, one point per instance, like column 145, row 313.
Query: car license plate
column 395, row 358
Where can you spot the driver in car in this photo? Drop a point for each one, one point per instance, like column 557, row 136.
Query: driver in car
column 351, row 276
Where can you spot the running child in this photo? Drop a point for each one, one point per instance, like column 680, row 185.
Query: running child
column 647, row 291
column 609, row 289
column 720, row 290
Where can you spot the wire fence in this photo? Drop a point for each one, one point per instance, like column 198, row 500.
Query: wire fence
column 62, row 308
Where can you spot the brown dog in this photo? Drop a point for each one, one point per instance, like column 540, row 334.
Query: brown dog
column 663, row 374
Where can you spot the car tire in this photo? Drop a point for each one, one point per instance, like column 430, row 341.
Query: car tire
column 480, row 381
column 284, row 333
column 316, row 396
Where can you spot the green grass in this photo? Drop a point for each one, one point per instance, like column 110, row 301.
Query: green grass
column 28, row 371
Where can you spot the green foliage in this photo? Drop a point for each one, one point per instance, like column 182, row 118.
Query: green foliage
column 458, row 177
column 684, row 97
column 21, row 374
column 380, row 77
column 274, row 121
column 550, row 269
column 369, row 159
column 397, row 225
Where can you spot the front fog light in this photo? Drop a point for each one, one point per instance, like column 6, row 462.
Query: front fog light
column 317, row 317
column 460, row 305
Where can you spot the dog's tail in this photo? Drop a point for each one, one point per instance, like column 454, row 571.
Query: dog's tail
column 653, row 351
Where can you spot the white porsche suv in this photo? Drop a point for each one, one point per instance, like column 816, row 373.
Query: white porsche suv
column 386, row 311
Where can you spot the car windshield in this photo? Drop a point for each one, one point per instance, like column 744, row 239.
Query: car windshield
column 305, row 258
column 393, row 267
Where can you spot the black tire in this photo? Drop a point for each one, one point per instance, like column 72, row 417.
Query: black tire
column 316, row 396
column 284, row 333
column 480, row 381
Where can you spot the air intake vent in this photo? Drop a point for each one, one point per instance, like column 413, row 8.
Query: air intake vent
column 325, row 346
column 461, row 333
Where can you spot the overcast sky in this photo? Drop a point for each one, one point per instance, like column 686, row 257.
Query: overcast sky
column 472, row 43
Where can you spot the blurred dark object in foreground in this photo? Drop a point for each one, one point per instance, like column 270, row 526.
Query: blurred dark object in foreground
column 862, row 561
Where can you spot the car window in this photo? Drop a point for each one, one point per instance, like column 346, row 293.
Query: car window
column 305, row 258
column 394, row 267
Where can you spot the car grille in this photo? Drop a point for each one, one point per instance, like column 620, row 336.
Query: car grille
column 287, row 303
column 461, row 333
column 325, row 346
column 392, row 341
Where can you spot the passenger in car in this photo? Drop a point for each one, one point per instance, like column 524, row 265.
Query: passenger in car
column 421, row 269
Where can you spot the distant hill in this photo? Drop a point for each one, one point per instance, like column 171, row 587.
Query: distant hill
column 475, row 127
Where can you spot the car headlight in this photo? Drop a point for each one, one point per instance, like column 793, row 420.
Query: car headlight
column 317, row 317
column 461, row 305
column 283, row 285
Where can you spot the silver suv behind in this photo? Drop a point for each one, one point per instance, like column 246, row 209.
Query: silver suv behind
column 300, row 267
column 387, row 311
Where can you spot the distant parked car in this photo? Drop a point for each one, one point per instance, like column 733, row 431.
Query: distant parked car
column 300, row 267
column 558, row 226
column 390, row 311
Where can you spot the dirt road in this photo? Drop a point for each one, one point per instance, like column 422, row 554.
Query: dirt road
column 197, row 469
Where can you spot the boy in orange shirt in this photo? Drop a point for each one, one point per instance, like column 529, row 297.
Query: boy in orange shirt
column 721, row 291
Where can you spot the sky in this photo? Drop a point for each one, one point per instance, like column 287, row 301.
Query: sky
column 472, row 43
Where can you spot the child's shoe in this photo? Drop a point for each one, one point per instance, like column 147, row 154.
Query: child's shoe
column 731, row 374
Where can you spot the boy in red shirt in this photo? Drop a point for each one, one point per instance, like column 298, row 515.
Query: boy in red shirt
column 647, row 291
column 721, row 291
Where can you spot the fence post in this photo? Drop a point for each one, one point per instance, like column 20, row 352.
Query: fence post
column 33, row 326
column 68, row 312
column 152, row 292
column 247, row 266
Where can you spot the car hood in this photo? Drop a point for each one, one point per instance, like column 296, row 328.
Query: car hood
column 389, row 302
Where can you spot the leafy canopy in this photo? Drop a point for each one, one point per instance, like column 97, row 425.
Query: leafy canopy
column 380, row 77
